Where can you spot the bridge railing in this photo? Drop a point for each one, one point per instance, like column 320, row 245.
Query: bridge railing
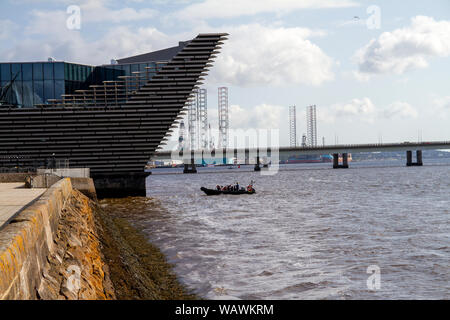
column 369, row 145
column 25, row 164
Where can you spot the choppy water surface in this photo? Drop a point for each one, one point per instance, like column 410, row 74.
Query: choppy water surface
column 305, row 234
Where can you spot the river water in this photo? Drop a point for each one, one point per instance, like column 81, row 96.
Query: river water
column 310, row 232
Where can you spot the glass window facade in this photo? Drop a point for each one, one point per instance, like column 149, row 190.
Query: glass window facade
column 27, row 71
column 48, row 71
column 5, row 72
column 16, row 71
column 76, row 77
column 36, row 83
column 37, row 71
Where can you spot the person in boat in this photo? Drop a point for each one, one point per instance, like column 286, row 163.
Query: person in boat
column 218, row 187
column 250, row 188
column 237, row 186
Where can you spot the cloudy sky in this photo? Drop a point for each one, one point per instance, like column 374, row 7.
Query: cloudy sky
column 376, row 70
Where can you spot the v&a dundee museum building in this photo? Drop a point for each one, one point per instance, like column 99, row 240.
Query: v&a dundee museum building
column 108, row 118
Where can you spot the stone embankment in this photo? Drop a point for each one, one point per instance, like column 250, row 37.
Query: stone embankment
column 64, row 246
column 50, row 250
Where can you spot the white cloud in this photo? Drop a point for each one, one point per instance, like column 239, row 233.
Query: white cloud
column 363, row 109
column 400, row 109
column 405, row 49
column 47, row 22
column 362, row 77
column 97, row 11
column 7, row 27
column 213, row 9
column 263, row 116
column 92, row 11
column 254, row 54
column 64, row 44
column 362, row 106
column 263, row 55
column 356, row 21
column 122, row 15
column 442, row 103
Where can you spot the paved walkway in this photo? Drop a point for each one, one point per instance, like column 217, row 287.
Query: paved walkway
column 13, row 197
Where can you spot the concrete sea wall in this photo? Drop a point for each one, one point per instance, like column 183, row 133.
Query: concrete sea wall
column 31, row 180
column 13, row 177
column 51, row 249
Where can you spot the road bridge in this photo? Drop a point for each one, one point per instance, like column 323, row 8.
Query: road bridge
column 273, row 154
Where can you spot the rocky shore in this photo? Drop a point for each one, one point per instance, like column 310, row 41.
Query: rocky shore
column 138, row 269
column 117, row 260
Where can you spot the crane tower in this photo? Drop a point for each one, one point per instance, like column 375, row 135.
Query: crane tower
column 202, row 118
column 192, row 121
column 223, row 117
column 182, row 136
column 198, row 119
column 293, row 126
column 311, row 124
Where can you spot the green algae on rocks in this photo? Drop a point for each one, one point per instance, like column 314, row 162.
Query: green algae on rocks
column 138, row 269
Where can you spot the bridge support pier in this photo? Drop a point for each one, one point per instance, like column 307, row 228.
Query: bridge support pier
column 190, row 168
column 336, row 164
column 335, row 160
column 120, row 185
column 419, row 157
column 345, row 160
column 409, row 161
column 409, row 158
column 257, row 164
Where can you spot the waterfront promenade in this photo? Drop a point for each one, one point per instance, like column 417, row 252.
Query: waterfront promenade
column 14, row 197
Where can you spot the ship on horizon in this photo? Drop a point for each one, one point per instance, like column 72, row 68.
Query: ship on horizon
column 312, row 158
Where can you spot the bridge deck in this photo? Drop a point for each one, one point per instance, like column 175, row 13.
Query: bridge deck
column 405, row 146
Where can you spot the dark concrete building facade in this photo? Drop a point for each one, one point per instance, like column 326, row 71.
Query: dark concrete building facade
column 108, row 118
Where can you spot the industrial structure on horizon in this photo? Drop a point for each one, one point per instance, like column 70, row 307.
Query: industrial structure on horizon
column 199, row 129
column 310, row 138
column 198, row 120
column 292, row 126
column 224, row 120
column 311, row 124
